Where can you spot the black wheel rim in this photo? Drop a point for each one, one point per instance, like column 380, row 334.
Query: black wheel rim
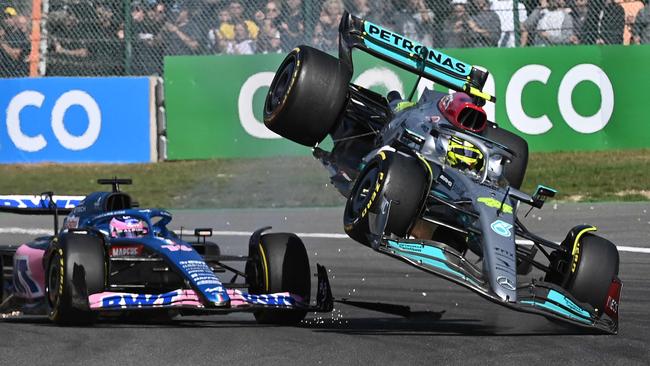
column 362, row 193
column 280, row 85
column 53, row 283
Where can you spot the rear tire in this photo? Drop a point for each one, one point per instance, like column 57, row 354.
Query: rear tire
column 279, row 264
column 398, row 177
column 516, row 170
column 307, row 96
column 80, row 256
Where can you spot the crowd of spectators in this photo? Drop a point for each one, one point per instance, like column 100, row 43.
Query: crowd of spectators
column 94, row 37
column 14, row 42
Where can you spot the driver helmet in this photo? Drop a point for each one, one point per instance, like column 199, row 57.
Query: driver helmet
column 127, row 227
column 463, row 155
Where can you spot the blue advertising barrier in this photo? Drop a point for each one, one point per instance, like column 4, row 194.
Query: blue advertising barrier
column 75, row 120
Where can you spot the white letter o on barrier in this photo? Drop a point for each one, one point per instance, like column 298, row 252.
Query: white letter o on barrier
column 86, row 139
column 247, row 119
column 17, row 103
column 514, row 109
column 576, row 75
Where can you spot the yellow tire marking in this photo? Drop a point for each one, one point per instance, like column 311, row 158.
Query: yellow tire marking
column 575, row 251
column 383, row 155
column 266, row 268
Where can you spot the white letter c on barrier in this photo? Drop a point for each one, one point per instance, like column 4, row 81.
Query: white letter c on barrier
column 248, row 121
column 514, row 109
column 17, row 103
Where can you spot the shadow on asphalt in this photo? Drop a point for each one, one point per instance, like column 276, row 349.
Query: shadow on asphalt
column 418, row 324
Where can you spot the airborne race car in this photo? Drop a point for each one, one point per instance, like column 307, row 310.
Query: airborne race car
column 430, row 182
column 113, row 259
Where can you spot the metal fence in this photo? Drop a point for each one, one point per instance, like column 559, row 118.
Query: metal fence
column 126, row 37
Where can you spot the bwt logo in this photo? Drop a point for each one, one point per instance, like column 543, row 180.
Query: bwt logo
column 138, row 300
column 31, row 98
column 22, row 201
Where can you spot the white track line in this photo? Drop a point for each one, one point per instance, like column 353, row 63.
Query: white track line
column 38, row 231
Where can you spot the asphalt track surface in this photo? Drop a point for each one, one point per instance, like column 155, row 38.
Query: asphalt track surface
column 449, row 324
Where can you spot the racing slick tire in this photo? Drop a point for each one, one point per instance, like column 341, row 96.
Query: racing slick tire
column 592, row 266
column 279, row 264
column 596, row 267
column 397, row 177
column 76, row 269
column 516, row 170
column 307, row 96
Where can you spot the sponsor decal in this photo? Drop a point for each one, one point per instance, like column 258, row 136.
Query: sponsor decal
column 580, row 73
column 446, row 101
column 126, row 250
column 575, row 255
column 506, row 283
column 504, row 253
column 502, row 228
column 23, row 201
column 214, row 289
column 177, row 247
column 378, row 185
column 613, row 299
column 409, row 46
column 75, row 120
column 138, row 300
column 448, row 182
column 71, row 222
column 416, row 248
column 200, row 273
column 271, row 299
column 494, row 203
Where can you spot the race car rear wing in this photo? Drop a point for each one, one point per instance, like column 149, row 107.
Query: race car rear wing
column 409, row 55
column 44, row 204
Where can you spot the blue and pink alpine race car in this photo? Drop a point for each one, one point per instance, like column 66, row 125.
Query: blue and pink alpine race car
column 111, row 258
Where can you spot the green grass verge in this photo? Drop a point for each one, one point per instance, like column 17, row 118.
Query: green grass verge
column 301, row 181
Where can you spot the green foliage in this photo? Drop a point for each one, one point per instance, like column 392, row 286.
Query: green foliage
column 302, row 182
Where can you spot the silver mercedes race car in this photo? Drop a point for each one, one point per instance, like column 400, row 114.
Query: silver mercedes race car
column 433, row 182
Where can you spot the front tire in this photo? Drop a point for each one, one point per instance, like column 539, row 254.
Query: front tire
column 397, row 177
column 75, row 270
column 279, row 263
column 593, row 264
column 307, row 96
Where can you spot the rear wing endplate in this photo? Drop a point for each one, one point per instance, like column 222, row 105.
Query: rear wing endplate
column 44, row 204
column 409, row 55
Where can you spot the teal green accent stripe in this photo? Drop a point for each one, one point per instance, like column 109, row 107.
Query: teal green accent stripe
column 556, row 309
column 561, row 299
column 371, row 45
column 439, row 194
column 429, row 251
column 543, row 186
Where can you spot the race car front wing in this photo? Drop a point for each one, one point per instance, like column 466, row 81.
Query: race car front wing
column 537, row 297
column 190, row 299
